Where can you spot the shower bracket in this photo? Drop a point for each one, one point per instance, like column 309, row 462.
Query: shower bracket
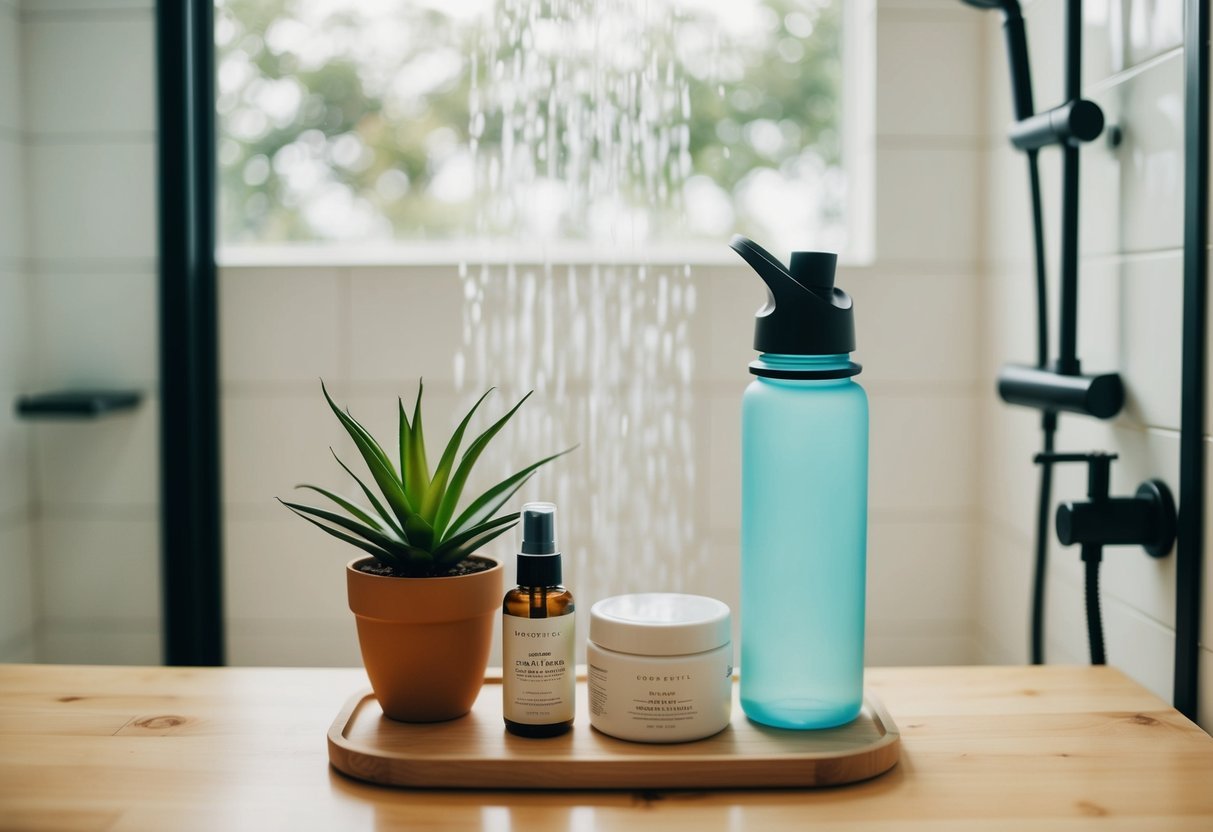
column 1146, row 519
column 1072, row 123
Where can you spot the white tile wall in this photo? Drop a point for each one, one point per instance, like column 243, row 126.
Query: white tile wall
column 922, row 571
column 10, row 73
column 294, row 643
column 919, row 190
column 1151, row 27
column 71, row 8
column 271, row 443
column 93, row 202
column 1003, row 593
column 18, row 608
column 921, row 450
column 112, row 96
column 12, row 198
column 96, row 330
column 1133, row 195
column 15, row 488
column 921, row 93
column 279, row 568
column 18, row 603
column 404, row 324
column 101, row 568
column 109, row 463
column 1130, row 313
column 98, row 642
column 89, row 242
column 14, row 328
column 282, row 325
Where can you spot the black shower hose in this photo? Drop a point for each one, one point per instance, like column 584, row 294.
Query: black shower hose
column 1094, row 618
column 1048, row 426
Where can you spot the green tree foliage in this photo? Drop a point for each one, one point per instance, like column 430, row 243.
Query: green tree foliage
column 336, row 125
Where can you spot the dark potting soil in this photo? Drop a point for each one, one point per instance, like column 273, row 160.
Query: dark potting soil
column 467, row 566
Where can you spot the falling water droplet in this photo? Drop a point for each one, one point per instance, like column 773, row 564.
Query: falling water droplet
column 594, row 143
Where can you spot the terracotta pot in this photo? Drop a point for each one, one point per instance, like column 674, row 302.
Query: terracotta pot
column 425, row 641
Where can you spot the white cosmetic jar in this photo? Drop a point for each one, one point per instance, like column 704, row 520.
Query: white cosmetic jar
column 660, row 667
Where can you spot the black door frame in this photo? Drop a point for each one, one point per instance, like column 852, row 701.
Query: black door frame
column 190, row 488
column 1191, row 533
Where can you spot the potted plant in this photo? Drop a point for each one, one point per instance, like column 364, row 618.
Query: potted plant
column 424, row 601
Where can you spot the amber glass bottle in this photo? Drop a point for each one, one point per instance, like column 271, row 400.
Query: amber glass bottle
column 537, row 636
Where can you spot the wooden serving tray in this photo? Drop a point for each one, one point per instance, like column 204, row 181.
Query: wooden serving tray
column 475, row 752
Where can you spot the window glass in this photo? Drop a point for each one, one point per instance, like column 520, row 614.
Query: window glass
column 569, row 120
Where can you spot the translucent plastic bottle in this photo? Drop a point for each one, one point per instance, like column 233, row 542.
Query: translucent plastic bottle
column 804, row 502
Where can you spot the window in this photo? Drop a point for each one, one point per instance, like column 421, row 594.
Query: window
column 569, row 121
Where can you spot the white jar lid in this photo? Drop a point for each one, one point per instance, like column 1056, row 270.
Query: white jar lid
column 660, row 624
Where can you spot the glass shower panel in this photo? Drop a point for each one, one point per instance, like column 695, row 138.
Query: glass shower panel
column 79, row 490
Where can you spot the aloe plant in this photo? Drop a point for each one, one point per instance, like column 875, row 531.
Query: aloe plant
column 412, row 526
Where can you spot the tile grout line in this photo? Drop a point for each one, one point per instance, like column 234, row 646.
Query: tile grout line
column 86, row 15
column 345, row 324
column 1063, row 577
column 96, row 137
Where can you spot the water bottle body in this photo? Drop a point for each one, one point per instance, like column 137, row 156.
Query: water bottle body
column 803, row 548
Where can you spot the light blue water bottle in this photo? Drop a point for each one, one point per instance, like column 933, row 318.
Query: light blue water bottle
column 804, row 500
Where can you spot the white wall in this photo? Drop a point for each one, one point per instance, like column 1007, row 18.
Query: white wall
column 88, row 75
column 1129, row 321
column 373, row 330
column 18, row 607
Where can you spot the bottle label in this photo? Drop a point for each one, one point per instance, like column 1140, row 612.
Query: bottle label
column 538, row 673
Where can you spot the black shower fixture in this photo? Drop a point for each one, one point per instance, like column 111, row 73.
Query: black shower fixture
column 1146, row 519
column 1053, row 384
column 1101, row 396
column 1017, row 53
column 1057, row 384
column 1074, row 123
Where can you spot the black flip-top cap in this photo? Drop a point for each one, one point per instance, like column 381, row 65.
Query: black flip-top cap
column 538, row 560
column 805, row 314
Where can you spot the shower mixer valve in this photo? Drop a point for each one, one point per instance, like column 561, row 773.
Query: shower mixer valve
column 1146, row 519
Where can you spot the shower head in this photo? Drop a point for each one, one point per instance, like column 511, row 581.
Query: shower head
column 1017, row 53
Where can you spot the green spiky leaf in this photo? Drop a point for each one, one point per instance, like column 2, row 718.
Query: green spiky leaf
column 419, row 532
column 437, row 489
column 358, row 432
column 355, row 511
column 381, row 555
column 451, row 498
column 388, row 517
column 473, row 539
column 369, row 533
column 458, row 540
column 410, row 527
column 491, row 501
column 381, row 468
column 413, row 463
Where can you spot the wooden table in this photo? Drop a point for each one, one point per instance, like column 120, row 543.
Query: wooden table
column 224, row 749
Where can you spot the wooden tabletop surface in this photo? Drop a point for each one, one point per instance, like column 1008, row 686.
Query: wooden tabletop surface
column 1056, row 748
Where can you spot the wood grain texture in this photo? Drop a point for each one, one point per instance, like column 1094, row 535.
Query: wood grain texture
column 1040, row 748
column 476, row 752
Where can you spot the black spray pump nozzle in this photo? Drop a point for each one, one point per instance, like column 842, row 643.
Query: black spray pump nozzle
column 539, row 529
column 805, row 314
column 538, row 559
